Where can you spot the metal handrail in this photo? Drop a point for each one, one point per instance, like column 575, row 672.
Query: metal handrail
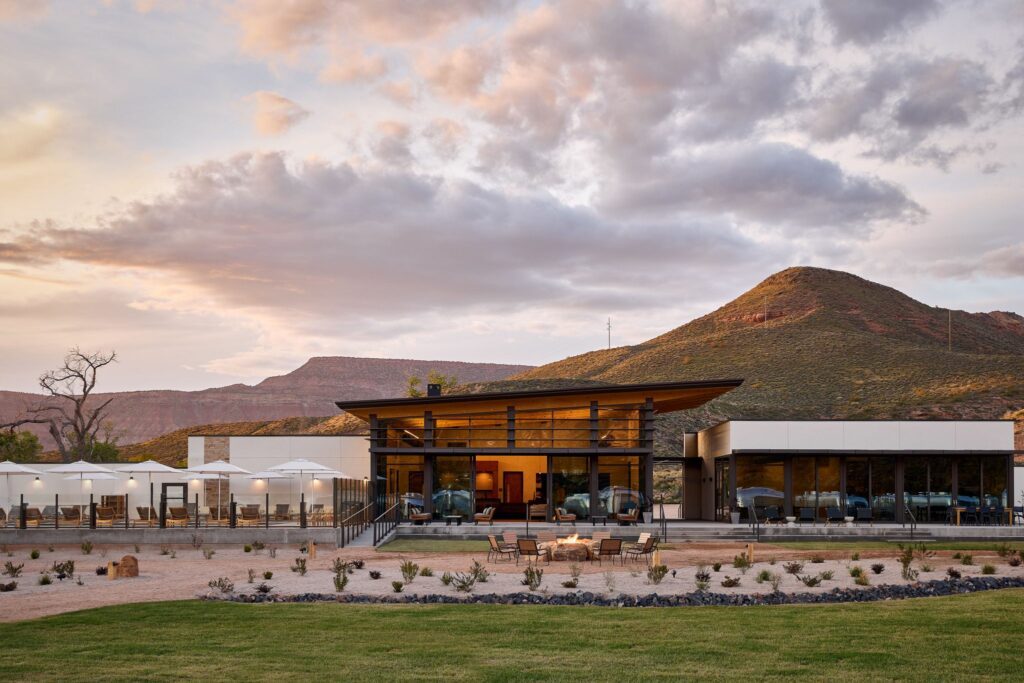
column 913, row 520
column 386, row 522
column 756, row 523
column 349, row 529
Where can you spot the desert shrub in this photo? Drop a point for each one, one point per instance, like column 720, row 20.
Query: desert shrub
column 268, row 575
column 862, row 580
column 273, row 551
column 63, row 570
column 717, row 566
column 8, row 587
column 730, row 582
column 409, row 570
column 742, row 563
column 264, row 588
column 609, row 581
column 957, row 556
column 793, row 567
column 464, row 582
column 532, row 577
column 87, row 547
column 479, row 572
column 776, row 581
column 251, row 576
column 966, row 559
column 826, row 575
column 656, row 573
column 906, row 559
column 571, row 583
column 34, row 554
column 856, row 571
column 702, row 586
column 855, row 557
column 817, row 559
column 49, row 548
column 247, row 548
column 45, row 580
column 1003, row 549
column 1014, row 561
column 810, row 581
column 258, row 546
column 446, row 578
column 771, row 561
column 988, row 569
column 358, row 564
column 374, row 574
column 299, row 567
column 13, row 570
column 165, row 550
column 197, row 541
column 100, row 570
column 763, row 575
column 135, row 546
column 702, row 574
column 878, row 568
column 340, row 581
column 925, row 567
column 953, row 573
column 575, row 570
column 223, row 584
column 208, row 553
column 339, row 566
column 397, row 586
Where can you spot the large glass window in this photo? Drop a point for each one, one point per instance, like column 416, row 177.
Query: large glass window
column 828, row 483
column 993, row 477
column 805, row 491
column 858, row 485
column 570, row 483
column 618, row 427
column 400, row 432
column 940, row 488
column 927, row 487
column 452, row 486
column 883, row 488
column 760, row 483
column 618, row 483
column 723, row 496
column 915, row 486
column 968, row 476
column 481, row 430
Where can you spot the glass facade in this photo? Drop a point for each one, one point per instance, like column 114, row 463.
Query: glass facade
column 619, row 484
column 570, row 484
column 760, row 483
column 453, row 488
column 993, row 478
column 928, row 487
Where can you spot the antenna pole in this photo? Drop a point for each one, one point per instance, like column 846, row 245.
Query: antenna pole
column 765, row 312
column 609, row 334
column 949, row 330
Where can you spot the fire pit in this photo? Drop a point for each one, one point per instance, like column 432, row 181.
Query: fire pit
column 570, row 549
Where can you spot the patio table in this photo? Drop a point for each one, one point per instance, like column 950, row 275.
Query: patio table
column 1007, row 511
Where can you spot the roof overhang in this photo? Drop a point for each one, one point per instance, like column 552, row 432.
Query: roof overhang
column 666, row 396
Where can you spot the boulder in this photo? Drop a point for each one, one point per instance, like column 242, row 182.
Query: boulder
column 129, row 567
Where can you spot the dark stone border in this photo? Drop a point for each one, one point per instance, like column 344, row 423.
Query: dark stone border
column 925, row 589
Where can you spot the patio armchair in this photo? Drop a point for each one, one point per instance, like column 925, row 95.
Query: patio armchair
column 248, row 516
column 538, row 511
column 419, row 517
column 177, row 516
column 609, row 547
column 71, row 515
column 640, row 541
column 807, row 515
column 597, row 536
column 282, row 512
column 562, row 516
column 104, row 516
column 509, row 537
column 642, row 550
column 529, row 548
column 486, row 516
column 627, row 518
column 498, row 550
column 969, row 515
column 833, row 515
column 865, row 515
column 33, row 517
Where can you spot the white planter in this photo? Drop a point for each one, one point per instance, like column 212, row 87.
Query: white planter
column 648, row 517
column 735, row 516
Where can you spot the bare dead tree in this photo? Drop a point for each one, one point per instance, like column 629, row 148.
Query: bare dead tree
column 71, row 422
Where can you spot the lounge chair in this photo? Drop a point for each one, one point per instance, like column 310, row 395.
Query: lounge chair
column 807, row 515
column 864, row 515
column 177, row 516
column 282, row 512
column 562, row 516
column 538, row 511
column 146, row 516
column 3, row 518
column 104, row 517
column 527, row 547
column 609, row 547
column 486, row 516
column 645, row 550
column 250, row 516
column 33, row 517
column 419, row 517
column 71, row 515
column 499, row 550
column 218, row 516
column 833, row 515
column 627, row 518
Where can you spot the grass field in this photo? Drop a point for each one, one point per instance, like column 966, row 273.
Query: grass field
column 429, row 545
column 972, row 636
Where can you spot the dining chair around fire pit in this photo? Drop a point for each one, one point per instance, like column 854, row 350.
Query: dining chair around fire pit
column 527, row 547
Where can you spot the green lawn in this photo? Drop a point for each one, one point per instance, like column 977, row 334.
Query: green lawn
column 430, row 545
column 964, row 637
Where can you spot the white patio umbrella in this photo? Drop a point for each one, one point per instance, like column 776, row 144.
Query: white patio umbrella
column 81, row 468
column 149, row 468
column 201, row 477
column 221, row 468
column 8, row 468
column 267, row 474
column 302, row 466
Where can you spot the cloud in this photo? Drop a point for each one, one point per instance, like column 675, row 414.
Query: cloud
column 392, row 144
column 1006, row 261
column 771, row 184
column 867, row 21
column 447, row 136
column 26, row 134
column 353, row 66
column 274, row 114
column 23, row 10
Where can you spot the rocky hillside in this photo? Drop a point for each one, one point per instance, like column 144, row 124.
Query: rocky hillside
column 833, row 346
column 308, row 391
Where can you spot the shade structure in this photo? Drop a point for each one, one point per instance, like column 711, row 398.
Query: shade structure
column 201, row 476
column 9, row 468
column 99, row 476
column 222, row 468
column 81, row 468
column 302, row 466
column 149, row 468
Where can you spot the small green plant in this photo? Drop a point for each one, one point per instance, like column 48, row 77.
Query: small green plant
column 953, row 573
column 374, row 574
column 409, row 570
column 165, row 550
column 208, row 553
column 251, row 575
column 729, row 582
column 925, row 567
column 856, row 571
column 957, row 556
column 479, row 572
column 86, row 547
column 64, row 570
column 247, row 548
column 988, row 569
column 397, row 586
column 446, row 578
column 1013, row 561
column 817, row 559
column 268, row 575
column 340, row 581
column 339, row 566
column 717, row 566
column 575, row 570
column 1003, row 549
column 810, row 581
column 862, row 580
column 8, row 587
column 793, row 567
column 264, row 588
column 13, row 570
column 656, row 573
column 44, row 579
column 426, row 571
column 463, row 582
column 776, row 581
column 826, row 575
column 570, row 583
column 966, row 559
column 532, row 577
column 34, row 554
column 741, row 562
column 299, row 567
column 855, row 557
column 763, row 575
column 906, row 559
column 878, row 568
column 258, row 546
column 702, row 574
column 223, row 584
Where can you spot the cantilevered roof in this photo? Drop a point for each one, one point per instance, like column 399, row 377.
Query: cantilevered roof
column 667, row 397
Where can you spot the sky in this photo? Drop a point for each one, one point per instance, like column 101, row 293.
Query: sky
column 220, row 190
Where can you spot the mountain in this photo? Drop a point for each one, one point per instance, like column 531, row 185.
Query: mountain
column 816, row 343
column 309, row 391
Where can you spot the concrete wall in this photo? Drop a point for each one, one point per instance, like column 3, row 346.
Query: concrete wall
column 867, row 435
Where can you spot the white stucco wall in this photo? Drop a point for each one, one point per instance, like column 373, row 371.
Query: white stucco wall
column 910, row 435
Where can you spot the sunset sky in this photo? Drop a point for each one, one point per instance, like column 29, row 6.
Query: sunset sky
column 220, row 190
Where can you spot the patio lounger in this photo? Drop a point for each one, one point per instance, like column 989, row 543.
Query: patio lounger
column 218, row 516
column 70, row 515
column 282, row 511
column 418, row 517
column 562, row 516
column 609, row 547
column 627, row 518
column 248, row 517
column 486, row 516
column 33, row 517
column 177, row 516
column 147, row 517
column 104, row 516
column 499, row 550
column 527, row 547
column 538, row 511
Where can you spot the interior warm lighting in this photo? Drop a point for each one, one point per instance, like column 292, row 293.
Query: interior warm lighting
column 484, row 481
